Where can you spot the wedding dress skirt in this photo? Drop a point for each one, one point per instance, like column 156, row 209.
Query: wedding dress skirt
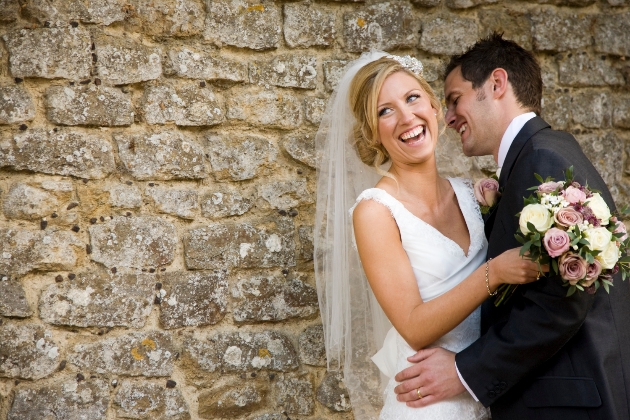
column 438, row 264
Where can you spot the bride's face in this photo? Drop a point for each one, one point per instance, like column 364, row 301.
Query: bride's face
column 407, row 124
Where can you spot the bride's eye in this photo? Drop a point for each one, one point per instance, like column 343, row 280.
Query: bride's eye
column 412, row 98
column 384, row 111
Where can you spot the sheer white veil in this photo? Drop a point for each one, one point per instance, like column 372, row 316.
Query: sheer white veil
column 354, row 323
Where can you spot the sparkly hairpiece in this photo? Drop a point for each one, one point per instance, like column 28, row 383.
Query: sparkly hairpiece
column 410, row 63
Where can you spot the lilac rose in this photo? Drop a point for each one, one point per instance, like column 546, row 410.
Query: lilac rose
column 574, row 195
column 620, row 228
column 568, row 217
column 592, row 273
column 556, row 242
column 549, row 187
column 487, row 191
column 572, row 268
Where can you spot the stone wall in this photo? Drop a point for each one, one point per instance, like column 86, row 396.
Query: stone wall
column 157, row 186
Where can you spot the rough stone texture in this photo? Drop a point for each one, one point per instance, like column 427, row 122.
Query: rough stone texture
column 187, row 105
column 225, row 201
column 150, row 401
column 94, row 11
column 148, row 353
column 121, row 61
column 276, row 416
column 333, row 71
column 239, row 158
column 301, row 148
column 27, row 352
column 63, row 399
column 30, row 203
column 293, row 70
column 161, row 155
column 465, row 4
column 98, row 299
column 9, row 10
column 333, row 393
column 516, row 26
column 606, row 152
column 88, row 105
column 306, row 26
column 243, row 24
column 143, row 241
column 49, row 52
column 561, row 31
column 231, row 400
column 448, row 35
column 125, row 196
column 611, row 34
column 556, row 108
column 16, row 105
column 241, row 352
column 267, row 108
column 268, row 243
column 272, row 298
column 193, row 299
column 311, row 345
column 285, row 195
column 22, row 251
column 581, row 69
column 591, row 109
column 13, row 299
column 67, row 153
column 305, row 234
column 621, row 111
column 314, row 109
column 192, row 64
column 180, row 18
column 295, row 396
column 384, row 26
column 180, row 203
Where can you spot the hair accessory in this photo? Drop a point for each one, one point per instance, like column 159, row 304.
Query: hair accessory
column 408, row 62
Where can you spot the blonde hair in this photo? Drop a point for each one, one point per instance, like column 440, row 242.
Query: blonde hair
column 364, row 90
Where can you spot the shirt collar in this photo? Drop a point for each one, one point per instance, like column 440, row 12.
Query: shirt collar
column 508, row 137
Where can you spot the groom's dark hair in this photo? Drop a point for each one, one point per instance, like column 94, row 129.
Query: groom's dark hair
column 480, row 60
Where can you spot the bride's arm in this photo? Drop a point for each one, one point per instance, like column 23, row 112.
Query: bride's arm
column 392, row 280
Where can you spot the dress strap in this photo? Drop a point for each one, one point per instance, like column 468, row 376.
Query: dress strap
column 382, row 197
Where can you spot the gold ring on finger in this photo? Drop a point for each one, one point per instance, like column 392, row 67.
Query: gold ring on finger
column 419, row 394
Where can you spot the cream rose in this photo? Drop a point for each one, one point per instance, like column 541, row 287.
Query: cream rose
column 599, row 207
column 598, row 237
column 537, row 215
column 609, row 256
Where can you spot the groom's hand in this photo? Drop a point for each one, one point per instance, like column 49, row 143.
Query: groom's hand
column 434, row 374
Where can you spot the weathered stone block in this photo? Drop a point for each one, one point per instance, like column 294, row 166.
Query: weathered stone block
column 242, row 245
column 226, row 201
column 333, row 393
column 193, row 298
column 465, row 4
column 231, row 400
column 295, row 396
column 167, row 17
column 239, row 158
column 161, row 156
column 67, row 153
column 621, row 111
column 150, row 401
column 88, row 105
column 243, row 24
column 450, row 157
column 27, row 352
column 448, row 35
column 305, row 234
column 13, row 299
column 582, row 69
column 314, row 109
column 99, row 300
column 301, row 148
column 121, row 61
column 30, row 203
column 66, row 398
column 286, row 194
column 16, row 105
column 384, row 26
column 269, row 298
column 269, row 108
column 611, row 33
column 93, row 11
column 276, row 416
column 333, row 72
column 9, row 10
column 187, row 105
column 142, row 241
column 591, row 109
column 307, row 26
column 106, row 11
column 22, row 251
column 605, row 150
column 125, row 196
column 242, row 352
column 311, row 345
column 556, row 108
column 514, row 25
column 180, row 203
column 49, row 52
column 293, row 70
column 148, row 353
column 192, row 64
column 426, row 3
column 561, row 31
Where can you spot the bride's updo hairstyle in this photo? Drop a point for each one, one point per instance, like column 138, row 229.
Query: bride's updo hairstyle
column 364, row 90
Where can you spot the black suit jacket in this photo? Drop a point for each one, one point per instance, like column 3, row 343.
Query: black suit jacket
column 544, row 355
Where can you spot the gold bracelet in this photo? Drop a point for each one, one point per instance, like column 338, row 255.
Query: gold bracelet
column 488, row 281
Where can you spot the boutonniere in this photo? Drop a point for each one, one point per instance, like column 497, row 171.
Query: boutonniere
column 487, row 194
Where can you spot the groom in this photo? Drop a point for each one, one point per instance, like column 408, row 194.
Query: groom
column 542, row 355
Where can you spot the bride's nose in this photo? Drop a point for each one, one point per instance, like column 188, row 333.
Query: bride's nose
column 407, row 115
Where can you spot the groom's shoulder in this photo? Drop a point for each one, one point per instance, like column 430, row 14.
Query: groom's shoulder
column 558, row 141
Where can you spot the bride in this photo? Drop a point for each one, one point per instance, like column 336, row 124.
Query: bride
column 402, row 267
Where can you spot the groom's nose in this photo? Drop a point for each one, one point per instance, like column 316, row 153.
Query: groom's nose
column 450, row 118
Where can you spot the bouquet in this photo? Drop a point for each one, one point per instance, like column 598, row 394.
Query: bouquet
column 570, row 227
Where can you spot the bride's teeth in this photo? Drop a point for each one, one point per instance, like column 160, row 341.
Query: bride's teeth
column 413, row 133
column 463, row 128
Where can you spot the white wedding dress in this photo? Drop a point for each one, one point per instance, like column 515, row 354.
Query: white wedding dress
column 439, row 264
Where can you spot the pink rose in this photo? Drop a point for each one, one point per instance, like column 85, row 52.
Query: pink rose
column 574, row 195
column 487, row 191
column 621, row 228
column 568, row 217
column 556, row 242
column 592, row 272
column 572, row 268
column 549, row 187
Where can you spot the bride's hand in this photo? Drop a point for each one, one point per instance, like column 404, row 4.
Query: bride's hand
column 511, row 268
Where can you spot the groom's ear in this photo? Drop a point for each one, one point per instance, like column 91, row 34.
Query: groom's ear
column 500, row 84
